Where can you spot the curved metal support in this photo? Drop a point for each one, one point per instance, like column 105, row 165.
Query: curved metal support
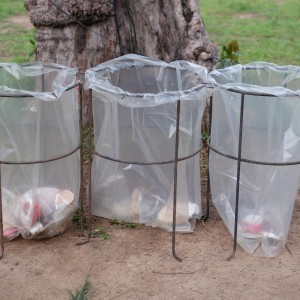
column 40, row 161
column 148, row 163
column 256, row 162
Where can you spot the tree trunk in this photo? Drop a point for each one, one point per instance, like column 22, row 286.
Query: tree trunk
column 164, row 29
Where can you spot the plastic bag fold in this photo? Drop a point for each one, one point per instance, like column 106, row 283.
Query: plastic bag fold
column 43, row 81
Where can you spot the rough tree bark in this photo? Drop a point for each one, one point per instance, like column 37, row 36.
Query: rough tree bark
column 164, row 29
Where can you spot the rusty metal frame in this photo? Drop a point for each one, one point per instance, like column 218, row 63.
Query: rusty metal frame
column 175, row 161
column 239, row 157
column 78, row 147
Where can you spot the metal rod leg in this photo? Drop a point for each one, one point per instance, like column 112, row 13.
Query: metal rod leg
column 175, row 183
column 90, row 142
column 81, row 160
column 237, row 195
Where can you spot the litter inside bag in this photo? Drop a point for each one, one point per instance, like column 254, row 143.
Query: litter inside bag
column 38, row 213
column 39, row 148
column 270, row 136
column 134, row 111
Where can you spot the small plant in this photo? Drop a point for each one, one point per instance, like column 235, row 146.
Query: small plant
column 85, row 143
column 77, row 220
column 229, row 55
column 123, row 224
column 205, row 136
column 32, row 49
column 100, row 232
column 83, row 292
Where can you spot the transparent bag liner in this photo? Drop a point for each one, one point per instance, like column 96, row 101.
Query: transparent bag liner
column 271, row 133
column 38, row 121
column 134, row 113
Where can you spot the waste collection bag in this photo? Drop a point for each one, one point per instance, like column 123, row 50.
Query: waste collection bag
column 270, row 138
column 134, row 102
column 39, row 125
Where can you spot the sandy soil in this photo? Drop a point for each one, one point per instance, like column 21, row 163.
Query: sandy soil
column 138, row 264
column 21, row 20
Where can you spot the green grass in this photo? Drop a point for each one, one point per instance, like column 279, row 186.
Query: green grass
column 123, row 224
column 14, row 39
column 267, row 30
column 100, row 232
column 83, row 292
column 15, row 45
column 11, row 7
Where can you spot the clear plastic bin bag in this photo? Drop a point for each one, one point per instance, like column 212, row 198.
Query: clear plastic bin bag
column 39, row 122
column 134, row 114
column 271, row 134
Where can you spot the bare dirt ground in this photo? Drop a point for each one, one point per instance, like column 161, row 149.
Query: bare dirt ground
column 21, row 20
column 138, row 264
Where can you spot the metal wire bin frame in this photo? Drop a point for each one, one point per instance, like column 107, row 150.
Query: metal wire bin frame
column 175, row 161
column 78, row 86
column 239, row 158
